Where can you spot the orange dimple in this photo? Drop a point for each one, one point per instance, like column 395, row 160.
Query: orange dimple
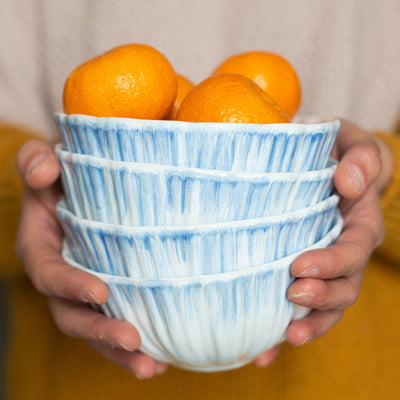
column 230, row 98
column 273, row 73
column 183, row 88
column 129, row 81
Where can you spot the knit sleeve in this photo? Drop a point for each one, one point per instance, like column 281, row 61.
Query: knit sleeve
column 11, row 188
column 390, row 201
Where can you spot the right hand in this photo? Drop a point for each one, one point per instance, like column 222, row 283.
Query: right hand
column 39, row 246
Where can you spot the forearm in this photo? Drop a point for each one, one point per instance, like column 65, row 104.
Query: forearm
column 11, row 188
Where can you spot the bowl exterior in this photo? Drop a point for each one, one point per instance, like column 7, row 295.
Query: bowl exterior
column 230, row 147
column 147, row 195
column 210, row 323
column 165, row 252
column 195, row 322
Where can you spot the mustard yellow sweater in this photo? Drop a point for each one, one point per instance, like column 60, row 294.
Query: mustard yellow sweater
column 357, row 359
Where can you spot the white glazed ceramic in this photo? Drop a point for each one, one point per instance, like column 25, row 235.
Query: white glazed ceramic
column 138, row 194
column 210, row 322
column 173, row 251
column 232, row 147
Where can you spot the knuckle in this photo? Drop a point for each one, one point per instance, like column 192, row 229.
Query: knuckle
column 60, row 318
column 371, row 154
column 318, row 328
column 325, row 322
column 97, row 331
column 330, row 263
column 372, row 160
column 65, row 285
column 37, row 281
column 353, row 293
column 62, row 326
column 323, row 300
column 380, row 234
column 359, row 255
column 66, row 330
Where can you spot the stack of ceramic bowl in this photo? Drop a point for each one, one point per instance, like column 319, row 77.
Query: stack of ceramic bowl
column 193, row 227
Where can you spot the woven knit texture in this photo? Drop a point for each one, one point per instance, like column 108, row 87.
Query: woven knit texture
column 347, row 53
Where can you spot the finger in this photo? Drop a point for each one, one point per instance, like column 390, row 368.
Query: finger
column 363, row 231
column 39, row 246
column 37, row 164
column 161, row 367
column 266, row 358
column 360, row 160
column 325, row 294
column 342, row 259
column 138, row 363
column 359, row 167
column 53, row 277
column 79, row 320
column 316, row 324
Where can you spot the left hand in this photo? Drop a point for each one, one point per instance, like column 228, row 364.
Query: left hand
column 329, row 280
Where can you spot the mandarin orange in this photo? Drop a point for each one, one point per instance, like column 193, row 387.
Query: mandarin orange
column 230, row 98
column 272, row 72
column 130, row 81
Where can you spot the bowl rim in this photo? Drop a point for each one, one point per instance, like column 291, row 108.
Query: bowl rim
column 276, row 265
column 290, row 128
column 191, row 172
column 290, row 216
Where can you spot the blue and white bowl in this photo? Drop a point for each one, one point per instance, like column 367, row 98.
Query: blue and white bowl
column 209, row 322
column 136, row 194
column 232, row 147
column 173, row 251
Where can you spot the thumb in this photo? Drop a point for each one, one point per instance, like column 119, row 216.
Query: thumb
column 357, row 170
column 37, row 164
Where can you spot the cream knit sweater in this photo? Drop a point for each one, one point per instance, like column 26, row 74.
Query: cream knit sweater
column 347, row 52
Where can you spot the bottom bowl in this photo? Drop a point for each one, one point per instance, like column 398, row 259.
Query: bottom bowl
column 209, row 322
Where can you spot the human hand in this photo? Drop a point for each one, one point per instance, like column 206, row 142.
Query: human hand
column 329, row 280
column 39, row 246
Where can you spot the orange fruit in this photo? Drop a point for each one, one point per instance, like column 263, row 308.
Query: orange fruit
column 273, row 73
column 129, row 81
column 230, row 98
column 183, row 88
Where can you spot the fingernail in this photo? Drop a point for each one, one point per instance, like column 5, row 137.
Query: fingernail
column 117, row 344
column 309, row 272
column 37, row 163
column 298, row 295
column 356, row 178
column 88, row 297
column 139, row 377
